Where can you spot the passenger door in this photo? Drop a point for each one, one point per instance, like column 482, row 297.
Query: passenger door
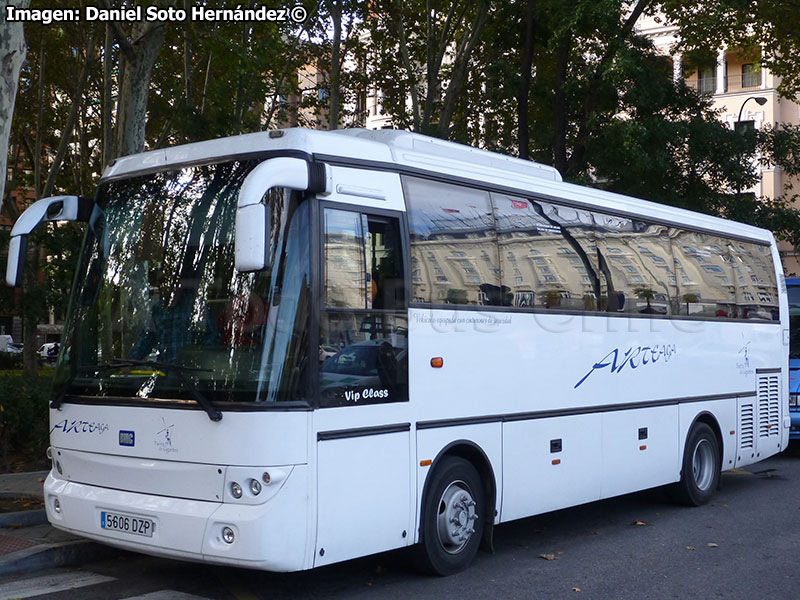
column 363, row 427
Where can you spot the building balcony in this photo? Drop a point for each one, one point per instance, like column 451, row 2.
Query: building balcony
column 732, row 83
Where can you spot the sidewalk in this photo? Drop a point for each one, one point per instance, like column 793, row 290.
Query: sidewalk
column 27, row 541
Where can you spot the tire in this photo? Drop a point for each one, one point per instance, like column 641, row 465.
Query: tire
column 701, row 465
column 453, row 513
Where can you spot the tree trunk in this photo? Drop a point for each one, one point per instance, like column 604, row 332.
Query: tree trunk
column 523, row 135
column 37, row 144
column 335, row 8
column 12, row 55
column 139, row 55
column 458, row 78
column 411, row 73
column 107, row 123
column 560, row 108
column 187, row 59
column 72, row 118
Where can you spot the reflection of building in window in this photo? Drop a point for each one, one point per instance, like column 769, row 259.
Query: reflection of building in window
column 559, row 257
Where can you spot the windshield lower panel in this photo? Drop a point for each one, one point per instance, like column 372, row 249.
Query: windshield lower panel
column 158, row 310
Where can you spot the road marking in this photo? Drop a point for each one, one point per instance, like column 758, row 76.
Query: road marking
column 49, row 584
column 167, row 595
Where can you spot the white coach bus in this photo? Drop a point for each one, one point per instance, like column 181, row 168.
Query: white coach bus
column 293, row 348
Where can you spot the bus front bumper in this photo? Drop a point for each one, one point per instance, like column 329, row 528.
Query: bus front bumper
column 271, row 536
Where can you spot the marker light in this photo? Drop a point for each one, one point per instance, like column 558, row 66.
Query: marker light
column 227, row 535
column 236, row 490
column 437, row 362
column 255, row 487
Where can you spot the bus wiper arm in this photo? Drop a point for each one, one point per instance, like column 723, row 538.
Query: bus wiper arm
column 179, row 370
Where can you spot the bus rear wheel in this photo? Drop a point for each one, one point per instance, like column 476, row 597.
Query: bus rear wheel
column 453, row 513
column 701, row 467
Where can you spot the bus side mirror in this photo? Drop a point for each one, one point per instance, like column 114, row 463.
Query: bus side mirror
column 252, row 215
column 54, row 208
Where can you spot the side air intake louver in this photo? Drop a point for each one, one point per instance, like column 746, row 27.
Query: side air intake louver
column 768, row 405
column 746, row 425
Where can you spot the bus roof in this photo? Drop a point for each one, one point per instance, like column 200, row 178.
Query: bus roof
column 414, row 152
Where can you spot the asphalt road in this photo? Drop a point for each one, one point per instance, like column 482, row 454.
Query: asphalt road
column 744, row 544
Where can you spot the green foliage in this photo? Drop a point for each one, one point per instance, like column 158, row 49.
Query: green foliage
column 24, row 424
column 9, row 361
column 664, row 143
column 233, row 69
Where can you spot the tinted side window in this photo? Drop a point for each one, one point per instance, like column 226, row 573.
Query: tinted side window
column 454, row 256
column 635, row 265
column 706, row 282
column 543, row 265
column 755, row 283
column 345, row 261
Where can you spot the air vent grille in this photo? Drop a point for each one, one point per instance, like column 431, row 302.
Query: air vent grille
column 746, row 425
column 769, row 408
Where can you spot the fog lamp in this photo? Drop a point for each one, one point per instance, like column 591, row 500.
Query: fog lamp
column 227, row 535
column 57, row 506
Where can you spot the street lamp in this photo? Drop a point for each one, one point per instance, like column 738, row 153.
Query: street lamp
column 761, row 102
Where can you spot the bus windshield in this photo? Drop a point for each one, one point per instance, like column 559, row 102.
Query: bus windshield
column 793, row 292
column 159, row 312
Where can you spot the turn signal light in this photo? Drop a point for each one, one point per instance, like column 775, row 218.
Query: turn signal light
column 437, row 362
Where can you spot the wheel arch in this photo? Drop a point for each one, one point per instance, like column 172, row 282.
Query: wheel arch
column 475, row 455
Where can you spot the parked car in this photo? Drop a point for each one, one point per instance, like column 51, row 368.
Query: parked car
column 49, row 352
column 15, row 348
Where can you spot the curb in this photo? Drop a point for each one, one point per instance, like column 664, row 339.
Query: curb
column 49, row 556
column 23, row 518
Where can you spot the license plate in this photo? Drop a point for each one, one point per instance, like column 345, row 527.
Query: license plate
column 126, row 523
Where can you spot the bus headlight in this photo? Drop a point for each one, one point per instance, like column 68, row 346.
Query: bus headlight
column 255, row 487
column 236, row 490
column 793, row 400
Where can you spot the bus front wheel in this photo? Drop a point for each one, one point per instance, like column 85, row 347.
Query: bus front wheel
column 453, row 514
column 701, row 464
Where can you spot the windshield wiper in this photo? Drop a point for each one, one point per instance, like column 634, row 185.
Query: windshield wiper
column 179, row 370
